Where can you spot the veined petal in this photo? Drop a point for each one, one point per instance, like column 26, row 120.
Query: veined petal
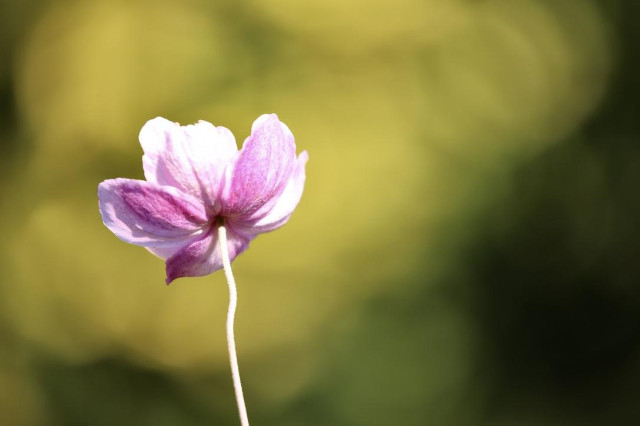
column 284, row 205
column 191, row 158
column 202, row 257
column 148, row 214
column 262, row 168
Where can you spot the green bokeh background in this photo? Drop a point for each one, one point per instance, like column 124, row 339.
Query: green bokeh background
column 465, row 252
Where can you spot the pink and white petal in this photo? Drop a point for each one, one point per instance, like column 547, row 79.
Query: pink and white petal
column 148, row 214
column 202, row 257
column 166, row 252
column 153, row 139
column 262, row 168
column 191, row 158
column 284, row 204
column 194, row 259
column 211, row 150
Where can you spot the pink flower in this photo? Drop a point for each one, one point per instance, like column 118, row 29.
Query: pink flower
column 197, row 179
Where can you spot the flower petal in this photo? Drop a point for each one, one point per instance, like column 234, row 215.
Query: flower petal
column 284, row 205
column 191, row 158
column 150, row 215
column 262, row 168
column 202, row 257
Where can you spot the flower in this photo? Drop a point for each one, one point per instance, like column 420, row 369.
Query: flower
column 196, row 180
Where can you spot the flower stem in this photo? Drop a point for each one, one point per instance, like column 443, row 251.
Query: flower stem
column 233, row 302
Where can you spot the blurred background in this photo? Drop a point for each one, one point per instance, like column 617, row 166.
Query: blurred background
column 465, row 252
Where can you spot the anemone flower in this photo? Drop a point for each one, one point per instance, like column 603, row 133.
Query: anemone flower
column 203, row 201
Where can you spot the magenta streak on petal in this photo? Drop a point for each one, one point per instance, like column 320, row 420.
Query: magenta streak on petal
column 266, row 220
column 150, row 215
column 262, row 169
column 159, row 209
